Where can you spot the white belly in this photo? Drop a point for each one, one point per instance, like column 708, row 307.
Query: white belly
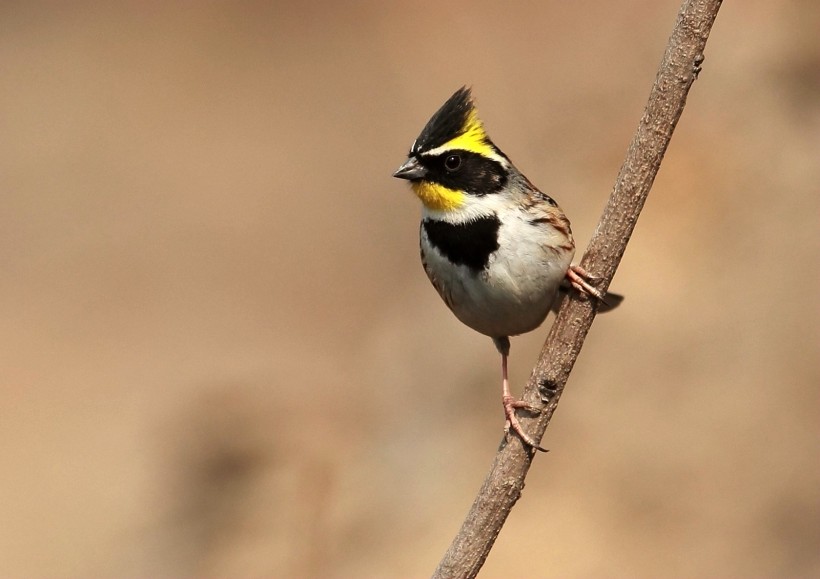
column 513, row 294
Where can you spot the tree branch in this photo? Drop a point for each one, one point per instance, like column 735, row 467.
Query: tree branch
column 503, row 485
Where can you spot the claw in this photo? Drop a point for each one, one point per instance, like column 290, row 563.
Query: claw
column 510, row 404
column 578, row 277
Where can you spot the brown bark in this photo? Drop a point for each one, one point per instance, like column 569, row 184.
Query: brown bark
column 503, row 485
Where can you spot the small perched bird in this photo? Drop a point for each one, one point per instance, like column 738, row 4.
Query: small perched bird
column 495, row 248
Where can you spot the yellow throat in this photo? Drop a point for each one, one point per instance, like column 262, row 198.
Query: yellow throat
column 438, row 197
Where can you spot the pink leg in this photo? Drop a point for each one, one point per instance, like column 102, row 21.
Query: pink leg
column 510, row 404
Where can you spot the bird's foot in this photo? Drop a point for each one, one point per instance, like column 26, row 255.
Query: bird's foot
column 510, row 405
column 580, row 278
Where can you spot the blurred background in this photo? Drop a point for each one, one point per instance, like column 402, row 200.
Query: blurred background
column 220, row 355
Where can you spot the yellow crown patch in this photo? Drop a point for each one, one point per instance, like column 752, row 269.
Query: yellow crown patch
column 473, row 137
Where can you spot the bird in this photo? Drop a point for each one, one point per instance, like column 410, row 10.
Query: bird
column 496, row 248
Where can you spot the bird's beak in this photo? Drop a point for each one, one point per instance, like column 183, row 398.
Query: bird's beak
column 412, row 170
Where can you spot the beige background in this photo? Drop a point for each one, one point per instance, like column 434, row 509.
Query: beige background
column 220, row 355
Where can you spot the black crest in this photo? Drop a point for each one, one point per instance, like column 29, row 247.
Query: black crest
column 449, row 122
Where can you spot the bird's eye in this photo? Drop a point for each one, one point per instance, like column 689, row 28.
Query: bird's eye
column 452, row 162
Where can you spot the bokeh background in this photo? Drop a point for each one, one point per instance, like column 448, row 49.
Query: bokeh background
column 220, row 355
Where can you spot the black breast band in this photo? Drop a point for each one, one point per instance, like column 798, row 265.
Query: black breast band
column 469, row 244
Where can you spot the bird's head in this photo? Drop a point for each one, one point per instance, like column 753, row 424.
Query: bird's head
column 453, row 159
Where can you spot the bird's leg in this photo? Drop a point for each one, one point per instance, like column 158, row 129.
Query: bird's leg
column 510, row 404
column 578, row 277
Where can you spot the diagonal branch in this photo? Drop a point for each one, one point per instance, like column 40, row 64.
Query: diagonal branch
column 503, row 485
